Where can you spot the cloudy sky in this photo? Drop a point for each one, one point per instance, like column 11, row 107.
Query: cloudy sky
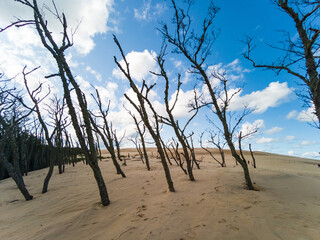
column 283, row 120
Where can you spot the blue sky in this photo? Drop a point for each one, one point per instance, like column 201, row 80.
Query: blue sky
column 283, row 121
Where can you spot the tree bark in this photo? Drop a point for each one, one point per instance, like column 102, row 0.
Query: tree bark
column 15, row 176
column 253, row 158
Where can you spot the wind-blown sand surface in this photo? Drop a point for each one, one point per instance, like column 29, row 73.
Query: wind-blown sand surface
column 216, row 206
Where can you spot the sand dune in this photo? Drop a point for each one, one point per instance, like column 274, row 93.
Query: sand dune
column 216, row 206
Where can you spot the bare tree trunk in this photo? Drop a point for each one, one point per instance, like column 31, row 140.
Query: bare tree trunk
column 222, row 157
column 253, row 159
column 141, row 109
column 240, row 148
column 165, row 152
column 67, row 78
column 15, row 157
column 172, row 155
column 192, row 152
column 110, row 149
column 15, row 176
column 171, row 121
column 196, row 49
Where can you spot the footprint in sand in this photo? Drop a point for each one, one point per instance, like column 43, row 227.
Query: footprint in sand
column 222, row 221
column 141, row 208
column 200, row 201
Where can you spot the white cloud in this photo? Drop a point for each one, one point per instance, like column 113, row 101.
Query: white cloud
column 159, row 9
column 177, row 63
column 291, row 152
column 140, row 64
column 292, row 114
column 94, row 73
column 72, row 63
column 290, row 138
column 307, row 143
column 273, row 130
column 22, row 46
column 181, row 108
column 307, row 115
column 248, row 128
column 107, row 94
column 213, row 71
column 149, row 11
column 272, row 96
column 235, row 70
column 88, row 17
column 143, row 13
column 311, row 154
column 265, row 140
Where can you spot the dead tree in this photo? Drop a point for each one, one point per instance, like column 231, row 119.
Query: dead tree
column 11, row 119
column 300, row 54
column 98, row 149
column 196, row 48
column 253, row 158
column 240, row 147
column 36, row 99
column 137, row 145
column 167, row 146
column 141, row 133
column 105, row 131
column 176, row 156
column 165, row 151
column 171, row 120
column 59, row 123
column 69, row 84
column 215, row 139
column 117, row 142
column 190, row 146
column 141, row 108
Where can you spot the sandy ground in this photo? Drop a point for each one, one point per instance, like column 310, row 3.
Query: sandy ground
column 216, row 206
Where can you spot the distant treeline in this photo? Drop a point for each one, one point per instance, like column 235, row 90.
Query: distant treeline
column 34, row 154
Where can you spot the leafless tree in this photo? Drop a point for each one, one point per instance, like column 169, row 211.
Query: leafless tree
column 253, row 158
column 165, row 150
column 117, row 142
column 171, row 120
column 190, row 146
column 105, row 131
column 141, row 133
column 141, row 108
column 12, row 117
column 136, row 142
column 176, row 155
column 196, row 48
column 56, row 112
column 300, row 54
column 69, row 84
column 215, row 139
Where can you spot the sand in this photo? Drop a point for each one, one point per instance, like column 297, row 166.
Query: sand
column 216, row 206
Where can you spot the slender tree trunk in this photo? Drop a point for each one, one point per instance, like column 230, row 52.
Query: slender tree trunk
column 253, row 159
column 16, row 177
column 165, row 165
column 244, row 166
column 145, row 154
column 49, row 174
column 165, row 152
column 15, row 156
column 222, row 157
column 110, row 147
